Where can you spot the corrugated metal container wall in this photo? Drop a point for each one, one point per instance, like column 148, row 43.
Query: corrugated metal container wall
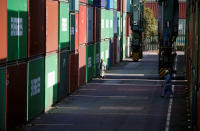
column 124, row 46
column 115, row 50
column 3, row 31
column 124, row 23
column 124, row 5
column 115, row 4
column 110, row 29
column 74, row 5
column 109, row 4
column 99, row 3
column 152, row 6
column 118, row 51
column 72, row 31
column 90, row 2
column 128, row 5
column 35, row 87
column 119, row 5
column 51, row 26
column 3, row 92
column 63, row 25
column 73, row 72
column 90, row 24
column 115, row 24
column 82, row 65
column 51, row 80
column 89, row 62
column 76, row 31
column 36, row 28
column 182, row 10
column 127, row 24
column 111, row 52
column 97, row 59
column 16, row 95
column 82, row 24
column 17, row 24
column 128, row 47
column 119, row 23
column 63, row 74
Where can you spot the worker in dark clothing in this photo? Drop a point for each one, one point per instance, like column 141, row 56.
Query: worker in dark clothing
column 167, row 85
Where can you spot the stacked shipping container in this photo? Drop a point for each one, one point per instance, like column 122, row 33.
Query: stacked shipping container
column 53, row 57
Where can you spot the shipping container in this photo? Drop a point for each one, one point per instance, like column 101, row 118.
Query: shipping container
column 74, row 5
column 3, row 92
column 128, row 26
column 72, row 31
column 115, row 4
column 124, row 2
column 128, row 47
column 109, row 4
column 99, row 3
column 51, row 26
column 111, row 29
column 118, row 50
column 96, row 62
column 83, row 1
column 51, row 84
column 104, row 52
column 76, row 31
column 182, row 10
column 3, row 31
column 73, row 71
column 111, row 52
column 82, row 65
column 64, row 25
column 90, row 24
column 90, row 2
column 35, row 87
column 123, row 40
column 63, row 74
column 119, row 5
column 83, row 24
column 124, row 24
column 90, row 58
column 115, row 23
column 119, row 24
column 98, row 24
column 36, row 28
column 17, row 27
column 128, row 5
column 16, row 95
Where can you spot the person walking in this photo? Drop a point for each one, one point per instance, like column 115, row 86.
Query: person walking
column 102, row 68
column 167, row 85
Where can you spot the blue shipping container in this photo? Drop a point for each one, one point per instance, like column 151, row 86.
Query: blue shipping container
column 109, row 4
column 99, row 3
column 111, row 53
column 115, row 23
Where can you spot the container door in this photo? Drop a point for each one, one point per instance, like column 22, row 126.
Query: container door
column 51, row 87
column 89, row 63
column 63, row 25
column 82, row 65
column 3, row 98
column 72, row 31
column 35, row 88
column 83, row 24
column 63, row 74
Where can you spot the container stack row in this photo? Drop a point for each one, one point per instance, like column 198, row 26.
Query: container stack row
column 50, row 48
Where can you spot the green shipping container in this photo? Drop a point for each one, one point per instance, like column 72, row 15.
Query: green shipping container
column 63, row 74
column 74, row 5
column 104, row 49
column 124, row 47
column 35, row 87
column 2, row 98
column 96, row 61
column 111, row 16
column 72, row 31
column 17, row 29
column 119, row 23
column 63, row 25
column 90, row 58
column 103, row 25
column 90, row 2
column 115, row 4
column 51, row 87
column 124, row 23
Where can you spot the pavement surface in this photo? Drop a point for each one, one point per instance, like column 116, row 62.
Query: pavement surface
column 128, row 99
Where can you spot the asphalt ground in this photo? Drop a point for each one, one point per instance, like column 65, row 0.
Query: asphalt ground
column 128, row 99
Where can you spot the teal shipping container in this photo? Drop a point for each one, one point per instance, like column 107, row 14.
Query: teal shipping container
column 63, row 25
column 72, row 31
column 90, row 58
column 128, row 5
column 90, row 2
column 119, row 23
column 63, row 87
column 74, row 5
column 124, row 47
column 17, row 27
column 3, row 98
column 90, row 25
column 96, row 61
column 35, row 87
column 51, row 87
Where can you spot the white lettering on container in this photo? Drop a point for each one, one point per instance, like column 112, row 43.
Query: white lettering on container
column 72, row 31
column 35, row 86
column 107, row 23
column 51, row 79
column 64, row 24
column 107, row 55
column 102, row 23
column 111, row 23
column 89, row 62
column 16, row 27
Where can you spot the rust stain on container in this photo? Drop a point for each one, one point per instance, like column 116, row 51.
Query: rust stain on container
column 36, row 27
column 76, row 31
column 3, row 31
column 82, row 24
column 82, row 65
column 16, row 95
column 51, row 26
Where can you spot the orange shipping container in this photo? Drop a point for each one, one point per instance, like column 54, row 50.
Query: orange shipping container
column 3, row 31
column 82, row 65
column 82, row 24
